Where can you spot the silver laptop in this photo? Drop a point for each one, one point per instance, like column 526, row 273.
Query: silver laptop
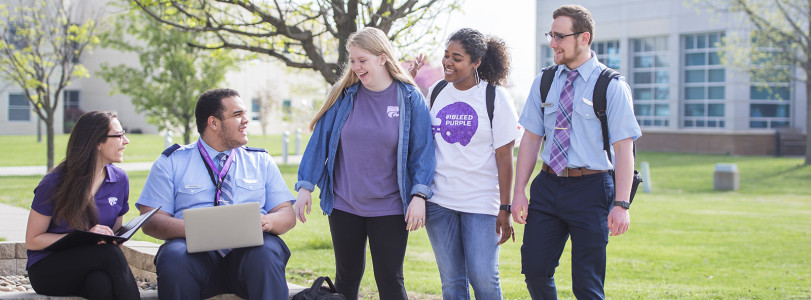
column 223, row 227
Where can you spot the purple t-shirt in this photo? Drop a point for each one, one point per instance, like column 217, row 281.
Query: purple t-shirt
column 112, row 201
column 366, row 164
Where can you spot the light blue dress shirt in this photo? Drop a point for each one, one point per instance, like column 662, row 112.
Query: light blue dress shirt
column 586, row 138
column 180, row 180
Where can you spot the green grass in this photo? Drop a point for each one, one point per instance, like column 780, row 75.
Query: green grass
column 686, row 240
column 23, row 150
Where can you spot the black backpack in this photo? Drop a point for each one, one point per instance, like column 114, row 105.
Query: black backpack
column 600, row 102
column 318, row 292
column 490, row 97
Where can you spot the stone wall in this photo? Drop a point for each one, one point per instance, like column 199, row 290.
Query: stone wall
column 140, row 256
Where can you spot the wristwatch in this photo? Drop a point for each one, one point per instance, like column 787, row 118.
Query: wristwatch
column 623, row 204
column 504, row 207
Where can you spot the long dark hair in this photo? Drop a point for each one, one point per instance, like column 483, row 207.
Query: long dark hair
column 73, row 202
column 492, row 51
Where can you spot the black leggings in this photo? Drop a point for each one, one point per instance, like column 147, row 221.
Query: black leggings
column 93, row 272
column 387, row 242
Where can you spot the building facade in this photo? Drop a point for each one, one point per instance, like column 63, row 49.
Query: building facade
column 686, row 98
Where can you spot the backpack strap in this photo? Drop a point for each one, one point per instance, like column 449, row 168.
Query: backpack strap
column 438, row 88
column 490, row 97
column 491, row 101
column 546, row 82
column 600, row 102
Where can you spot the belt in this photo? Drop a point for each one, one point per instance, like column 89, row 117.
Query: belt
column 572, row 172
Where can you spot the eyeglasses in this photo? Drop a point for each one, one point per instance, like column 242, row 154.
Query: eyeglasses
column 558, row 37
column 119, row 134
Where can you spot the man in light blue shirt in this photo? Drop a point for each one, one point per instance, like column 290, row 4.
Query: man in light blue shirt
column 579, row 199
column 181, row 178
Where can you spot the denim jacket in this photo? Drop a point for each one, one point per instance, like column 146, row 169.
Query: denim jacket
column 415, row 166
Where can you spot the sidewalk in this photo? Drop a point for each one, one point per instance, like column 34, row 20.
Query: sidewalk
column 13, row 221
column 128, row 167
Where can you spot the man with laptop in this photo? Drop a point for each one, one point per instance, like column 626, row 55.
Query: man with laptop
column 223, row 206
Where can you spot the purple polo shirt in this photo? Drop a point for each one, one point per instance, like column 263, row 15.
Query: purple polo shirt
column 112, row 201
column 366, row 162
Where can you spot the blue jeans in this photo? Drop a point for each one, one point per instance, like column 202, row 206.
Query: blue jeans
column 466, row 250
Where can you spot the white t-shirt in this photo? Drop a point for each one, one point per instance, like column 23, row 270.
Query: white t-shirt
column 466, row 178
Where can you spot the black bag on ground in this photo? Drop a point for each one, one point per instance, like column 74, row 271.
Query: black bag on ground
column 319, row 292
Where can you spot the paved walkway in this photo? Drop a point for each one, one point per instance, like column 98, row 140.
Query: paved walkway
column 13, row 221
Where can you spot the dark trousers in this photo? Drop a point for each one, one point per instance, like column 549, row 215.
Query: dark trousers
column 387, row 242
column 560, row 207
column 250, row 272
column 93, row 272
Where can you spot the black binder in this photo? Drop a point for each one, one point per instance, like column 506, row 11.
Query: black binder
column 82, row 238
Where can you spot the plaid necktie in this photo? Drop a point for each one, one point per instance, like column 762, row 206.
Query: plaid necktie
column 226, row 190
column 563, row 125
column 226, row 194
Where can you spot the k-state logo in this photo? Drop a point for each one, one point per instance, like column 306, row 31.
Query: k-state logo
column 112, row 200
column 393, row 111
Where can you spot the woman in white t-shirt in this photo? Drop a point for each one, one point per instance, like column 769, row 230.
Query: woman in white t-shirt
column 474, row 166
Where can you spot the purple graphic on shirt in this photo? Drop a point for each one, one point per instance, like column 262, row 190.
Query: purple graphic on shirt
column 458, row 123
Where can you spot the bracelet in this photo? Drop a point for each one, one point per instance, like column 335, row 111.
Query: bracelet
column 420, row 195
column 505, row 207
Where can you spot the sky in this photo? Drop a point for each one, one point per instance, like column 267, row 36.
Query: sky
column 513, row 21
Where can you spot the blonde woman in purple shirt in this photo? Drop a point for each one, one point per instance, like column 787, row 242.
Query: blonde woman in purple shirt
column 84, row 192
column 372, row 156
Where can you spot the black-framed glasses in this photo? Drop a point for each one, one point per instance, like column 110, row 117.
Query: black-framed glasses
column 558, row 37
column 118, row 135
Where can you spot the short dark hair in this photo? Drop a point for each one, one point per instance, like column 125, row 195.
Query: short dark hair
column 210, row 104
column 581, row 18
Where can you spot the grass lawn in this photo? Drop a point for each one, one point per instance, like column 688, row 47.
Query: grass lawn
column 686, row 240
column 23, row 150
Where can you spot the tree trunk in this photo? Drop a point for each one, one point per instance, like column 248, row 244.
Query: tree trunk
column 808, row 115
column 186, row 133
column 49, row 129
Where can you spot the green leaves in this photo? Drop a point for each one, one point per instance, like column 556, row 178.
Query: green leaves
column 171, row 74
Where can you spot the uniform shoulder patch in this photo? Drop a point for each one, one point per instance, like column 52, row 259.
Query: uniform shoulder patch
column 170, row 150
column 255, row 149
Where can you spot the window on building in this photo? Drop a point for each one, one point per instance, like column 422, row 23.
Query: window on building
column 650, row 81
column 770, row 92
column 72, row 112
column 19, row 108
column 546, row 57
column 256, row 110
column 287, row 109
column 703, row 83
column 608, row 53
column 17, row 33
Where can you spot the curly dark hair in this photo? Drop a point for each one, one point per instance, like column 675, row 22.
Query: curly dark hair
column 491, row 50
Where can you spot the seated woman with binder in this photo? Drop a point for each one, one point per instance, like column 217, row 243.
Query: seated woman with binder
column 84, row 192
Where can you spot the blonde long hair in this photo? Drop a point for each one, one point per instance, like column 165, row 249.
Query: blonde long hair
column 375, row 41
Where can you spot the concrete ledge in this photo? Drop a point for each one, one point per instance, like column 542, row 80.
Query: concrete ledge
column 140, row 256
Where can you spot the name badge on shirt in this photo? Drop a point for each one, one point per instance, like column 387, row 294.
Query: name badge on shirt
column 587, row 101
column 546, row 104
column 249, row 180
